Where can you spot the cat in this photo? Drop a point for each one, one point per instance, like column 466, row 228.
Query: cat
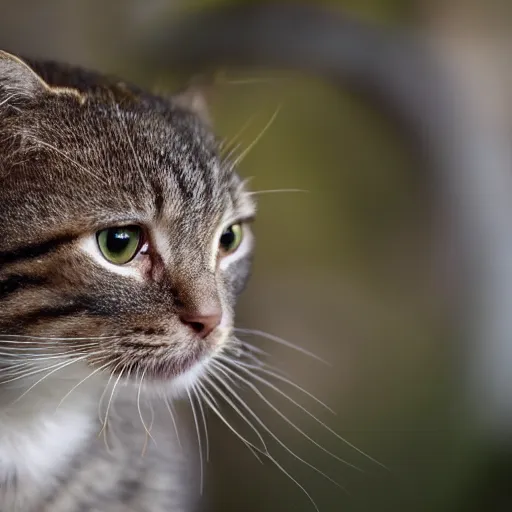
column 125, row 240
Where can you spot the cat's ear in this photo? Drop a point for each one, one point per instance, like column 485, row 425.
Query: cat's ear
column 18, row 79
column 19, row 82
column 195, row 99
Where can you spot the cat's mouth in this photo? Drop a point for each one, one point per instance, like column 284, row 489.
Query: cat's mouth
column 162, row 364
column 168, row 376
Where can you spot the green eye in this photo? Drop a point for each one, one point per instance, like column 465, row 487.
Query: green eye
column 231, row 238
column 120, row 245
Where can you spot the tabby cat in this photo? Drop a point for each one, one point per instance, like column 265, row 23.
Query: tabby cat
column 124, row 242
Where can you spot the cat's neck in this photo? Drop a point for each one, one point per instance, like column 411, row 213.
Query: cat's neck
column 39, row 435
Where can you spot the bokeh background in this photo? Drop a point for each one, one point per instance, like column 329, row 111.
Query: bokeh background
column 357, row 269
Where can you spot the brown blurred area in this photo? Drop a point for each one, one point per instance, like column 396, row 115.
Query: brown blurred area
column 357, row 269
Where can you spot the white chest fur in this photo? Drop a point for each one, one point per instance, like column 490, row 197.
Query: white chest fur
column 33, row 454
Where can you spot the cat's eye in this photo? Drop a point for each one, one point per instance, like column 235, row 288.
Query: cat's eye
column 231, row 238
column 120, row 245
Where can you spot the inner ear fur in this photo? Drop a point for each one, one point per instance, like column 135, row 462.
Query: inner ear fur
column 19, row 81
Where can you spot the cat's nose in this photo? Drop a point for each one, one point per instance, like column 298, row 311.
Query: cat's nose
column 202, row 322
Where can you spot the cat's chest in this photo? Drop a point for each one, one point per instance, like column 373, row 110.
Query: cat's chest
column 33, row 458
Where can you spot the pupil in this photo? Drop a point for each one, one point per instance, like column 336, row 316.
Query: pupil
column 227, row 238
column 117, row 241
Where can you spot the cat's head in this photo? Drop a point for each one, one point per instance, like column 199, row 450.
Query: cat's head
column 124, row 239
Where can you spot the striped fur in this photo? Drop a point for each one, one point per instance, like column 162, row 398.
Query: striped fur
column 80, row 152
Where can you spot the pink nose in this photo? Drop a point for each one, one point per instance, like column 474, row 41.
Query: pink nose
column 202, row 322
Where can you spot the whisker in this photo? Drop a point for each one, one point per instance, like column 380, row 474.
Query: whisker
column 107, row 410
column 146, row 439
column 198, row 395
column 12, row 367
column 39, row 370
column 287, row 420
column 24, row 356
column 251, row 352
column 232, row 151
column 201, row 482
column 252, row 348
column 59, row 338
column 237, row 410
column 248, row 81
column 82, row 381
column 277, row 439
column 173, row 419
column 209, row 399
column 255, row 449
column 67, row 363
column 281, row 341
column 139, row 409
column 100, row 400
column 275, row 191
column 301, row 407
column 283, row 379
column 238, row 134
column 244, row 153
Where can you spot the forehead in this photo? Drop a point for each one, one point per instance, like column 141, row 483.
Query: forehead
column 72, row 163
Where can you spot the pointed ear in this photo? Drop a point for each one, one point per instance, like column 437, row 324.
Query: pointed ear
column 18, row 79
column 193, row 100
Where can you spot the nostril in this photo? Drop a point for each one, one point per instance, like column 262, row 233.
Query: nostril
column 198, row 327
column 202, row 323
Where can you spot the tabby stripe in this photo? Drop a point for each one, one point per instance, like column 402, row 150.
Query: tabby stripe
column 181, row 181
column 16, row 282
column 34, row 250
column 42, row 314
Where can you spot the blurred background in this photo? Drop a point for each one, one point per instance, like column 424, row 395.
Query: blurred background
column 360, row 269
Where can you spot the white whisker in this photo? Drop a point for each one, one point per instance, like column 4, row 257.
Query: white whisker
column 139, row 409
column 50, row 338
column 208, row 397
column 277, row 439
column 28, row 357
column 67, row 363
column 237, row 135
column 94, row 372
column 198, row 395
column 201, row 481
column 238, row 411
column 244, row 153
column 107, row 410
column 38, row 370
column 254, row 449
column 276, row 191
column 103, row 420
column 282, row 379
column 302, row 408
column 173, row 419
column 281, row 341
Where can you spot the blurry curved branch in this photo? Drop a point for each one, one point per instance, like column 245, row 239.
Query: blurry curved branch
column 467, row 154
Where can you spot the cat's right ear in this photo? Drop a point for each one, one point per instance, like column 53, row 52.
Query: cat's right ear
column 193, row 99
column 18, row 80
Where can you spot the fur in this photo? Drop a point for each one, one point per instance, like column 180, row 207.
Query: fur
column 79, row 153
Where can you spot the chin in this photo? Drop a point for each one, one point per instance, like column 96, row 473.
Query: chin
column 174, row 379
column 159, row 384
column 178, row 386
